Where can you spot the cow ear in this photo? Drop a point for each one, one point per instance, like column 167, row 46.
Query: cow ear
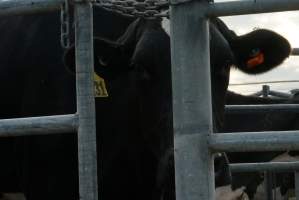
column 260, row 51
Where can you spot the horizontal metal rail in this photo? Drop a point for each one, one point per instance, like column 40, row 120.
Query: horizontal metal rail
column 295, row 51
column 279, row 94
column 38, row 125
column 266, row 166
column 261, row 108
column 254, row 141
column 250, row 7
column 20, row 7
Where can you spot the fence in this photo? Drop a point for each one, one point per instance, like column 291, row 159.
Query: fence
column 85, row 116
column 191, row 99
column 194, row 140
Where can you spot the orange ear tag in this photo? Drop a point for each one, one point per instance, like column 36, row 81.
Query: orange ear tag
column 255, row 61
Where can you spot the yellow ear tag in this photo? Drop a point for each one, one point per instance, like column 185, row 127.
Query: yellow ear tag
column 99, row 86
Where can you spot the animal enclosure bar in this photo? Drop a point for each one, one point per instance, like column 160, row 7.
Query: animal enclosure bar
column 192, row 99
column 255, row 141
column 237, row 109
column 250, row 7
column 295, row 52
column 38, row 125
column 20, row 7
column 272, row 166
column 84, row 120
column 192, row 110
column 87, row 150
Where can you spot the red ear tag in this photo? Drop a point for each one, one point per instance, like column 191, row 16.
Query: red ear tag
column 255, row 61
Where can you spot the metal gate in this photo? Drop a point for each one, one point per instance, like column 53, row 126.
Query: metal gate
column 83, row 121
column 193, row 134
column 194, row 141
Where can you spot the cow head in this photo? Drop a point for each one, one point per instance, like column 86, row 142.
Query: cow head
column 253, row 53
column 145, row 48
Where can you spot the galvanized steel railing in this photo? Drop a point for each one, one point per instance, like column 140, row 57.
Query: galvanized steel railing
column 194, row 141
column 84, row 120
column 193, row 136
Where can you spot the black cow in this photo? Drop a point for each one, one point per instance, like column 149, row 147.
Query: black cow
column 134, row 123
column 269, row 121
column 154, row 83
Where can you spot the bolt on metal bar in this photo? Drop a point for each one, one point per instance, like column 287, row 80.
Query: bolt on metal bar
column 21, row 7
column 192, row 110
column 265, row 166
column 261, row 108
column 255, row 141
column 85, row 101
column 250, row 7
column 38, row 125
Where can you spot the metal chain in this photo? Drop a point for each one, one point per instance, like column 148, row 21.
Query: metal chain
column 65, row 25
column 148, row 9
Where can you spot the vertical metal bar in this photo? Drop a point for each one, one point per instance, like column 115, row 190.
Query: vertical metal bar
column 297, row 184
column 192, row 108
column 268, row 185
column 85, row 101
column 266, row 90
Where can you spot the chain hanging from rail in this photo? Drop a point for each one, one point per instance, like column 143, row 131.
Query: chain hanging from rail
column 65, row 25
column 148, row 9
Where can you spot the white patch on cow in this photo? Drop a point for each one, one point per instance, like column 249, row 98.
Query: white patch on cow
column 166, row 25
column 226, row 193
column 13, row 196
column 261, row 193
column 285, row 157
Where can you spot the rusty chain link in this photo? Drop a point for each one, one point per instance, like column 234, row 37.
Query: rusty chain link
column 148, row 9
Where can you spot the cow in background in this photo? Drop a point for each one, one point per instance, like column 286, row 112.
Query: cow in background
column 252, row 122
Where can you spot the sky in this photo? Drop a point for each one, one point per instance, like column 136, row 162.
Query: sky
column 284, row 23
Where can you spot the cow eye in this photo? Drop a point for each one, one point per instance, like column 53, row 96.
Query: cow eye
column 254, row 52
column 102, row 62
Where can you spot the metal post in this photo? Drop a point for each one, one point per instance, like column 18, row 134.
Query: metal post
column 192, row 109
column 266, row 90
column 297, row 184
column 268, row 184
column 85, row 101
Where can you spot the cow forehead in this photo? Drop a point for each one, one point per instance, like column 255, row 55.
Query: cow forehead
column 219, row 46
